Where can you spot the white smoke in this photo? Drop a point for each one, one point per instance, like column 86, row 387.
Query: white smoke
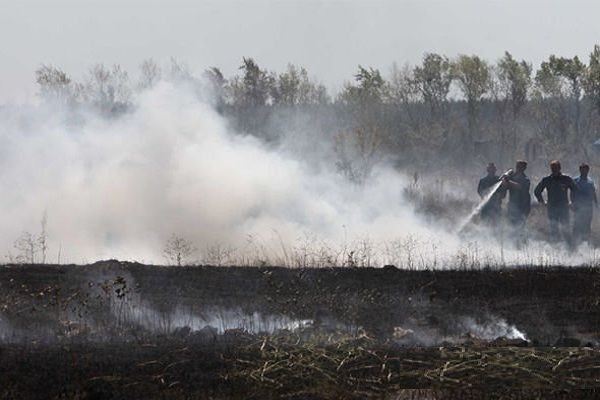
column 119, row 188
column 492, row 329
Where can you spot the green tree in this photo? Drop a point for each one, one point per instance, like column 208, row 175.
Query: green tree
column 432, row 79
column 515, row 78
column 561, row 80
column 369, row 88
column 286, row 91
column 592, row 78
column 473, row 77
column 513, row 82
column 255, row 84
column 294, row 87
column 364, row 99
column 404, row 93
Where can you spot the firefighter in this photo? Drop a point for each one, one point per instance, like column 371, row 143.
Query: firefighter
column 519, row 200
column 491, row 211
column 557, row 187
column 584, row 200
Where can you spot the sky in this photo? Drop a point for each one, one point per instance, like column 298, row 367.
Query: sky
column 330, row 38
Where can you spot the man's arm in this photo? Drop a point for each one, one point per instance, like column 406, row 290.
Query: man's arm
column 480, row 188
column 539, row 189
column 510, row 184
column 594, row 194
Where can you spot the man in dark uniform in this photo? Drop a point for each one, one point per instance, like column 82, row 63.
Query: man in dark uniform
column 491, row 211
column 519, row 200
column 584, row 199
column 557, row 186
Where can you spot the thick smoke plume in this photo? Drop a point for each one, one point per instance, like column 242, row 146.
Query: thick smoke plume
column 120, row 187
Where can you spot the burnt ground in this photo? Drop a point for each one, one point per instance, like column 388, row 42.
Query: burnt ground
column 76, row 332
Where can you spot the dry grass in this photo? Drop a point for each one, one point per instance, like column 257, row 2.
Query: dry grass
column 364, row 368
column 287, row 365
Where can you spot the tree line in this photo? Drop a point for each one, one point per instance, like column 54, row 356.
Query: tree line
column 459, row 110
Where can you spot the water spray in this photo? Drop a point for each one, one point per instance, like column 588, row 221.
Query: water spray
column 484, row 201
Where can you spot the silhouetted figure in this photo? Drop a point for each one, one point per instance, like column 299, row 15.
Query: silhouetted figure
column 491, row 211
column 557, row 187
column 584, row 200
column 519, row 200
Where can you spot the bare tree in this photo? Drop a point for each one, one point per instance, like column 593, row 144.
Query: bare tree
column 178, row 250
column 108, row 88
column 217, row 85
column 151, row 74
column 55, row 85
column 26, row 246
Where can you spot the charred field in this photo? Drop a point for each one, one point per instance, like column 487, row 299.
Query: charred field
column 126, row 330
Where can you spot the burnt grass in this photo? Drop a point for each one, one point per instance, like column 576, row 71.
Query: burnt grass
column 558, row 309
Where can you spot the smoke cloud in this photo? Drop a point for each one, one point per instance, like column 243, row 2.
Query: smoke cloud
column 120, row 187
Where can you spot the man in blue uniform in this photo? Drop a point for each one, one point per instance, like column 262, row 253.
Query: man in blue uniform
column 491, row 211
column 519, row 200
column 584, row 199
column 557, row 187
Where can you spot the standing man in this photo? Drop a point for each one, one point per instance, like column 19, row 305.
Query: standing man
column 491, row 211
column 584, row 199
column 519, row 200
column 556, row 185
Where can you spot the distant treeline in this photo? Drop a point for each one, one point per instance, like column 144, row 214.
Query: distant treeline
column 458, row 111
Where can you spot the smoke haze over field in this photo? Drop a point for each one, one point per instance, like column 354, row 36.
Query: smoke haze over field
column 120, row 187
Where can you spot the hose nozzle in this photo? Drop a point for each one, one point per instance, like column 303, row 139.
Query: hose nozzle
column 508, row 173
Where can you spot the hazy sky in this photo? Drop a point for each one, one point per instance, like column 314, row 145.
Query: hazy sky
column 329, row 37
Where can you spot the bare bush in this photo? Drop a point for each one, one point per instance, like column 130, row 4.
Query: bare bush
column 218, row 255
column 357, row 152
column 28, row 246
